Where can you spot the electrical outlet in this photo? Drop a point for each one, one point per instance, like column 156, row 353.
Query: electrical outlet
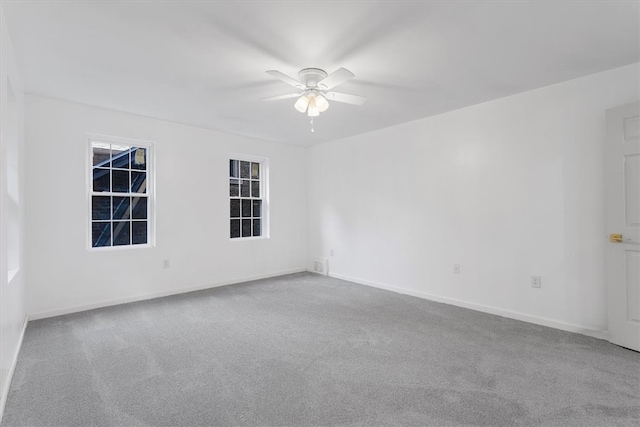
column 165, row 263
column 456, row 268
column 331, row 252
column 536, row 282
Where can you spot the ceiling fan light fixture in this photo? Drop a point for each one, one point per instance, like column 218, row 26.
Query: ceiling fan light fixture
column 322, row 103
column 302, row 103
column 313, row 110
column 315, row 83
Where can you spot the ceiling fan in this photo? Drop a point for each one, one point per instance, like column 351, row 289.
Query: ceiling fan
column 314, row 87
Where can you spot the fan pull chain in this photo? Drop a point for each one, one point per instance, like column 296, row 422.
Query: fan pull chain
column 312, row 130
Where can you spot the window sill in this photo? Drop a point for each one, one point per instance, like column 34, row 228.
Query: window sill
column 119, row 248
column 244, row 239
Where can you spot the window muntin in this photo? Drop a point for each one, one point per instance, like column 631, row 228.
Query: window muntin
column 247, row 201
column 120, row 194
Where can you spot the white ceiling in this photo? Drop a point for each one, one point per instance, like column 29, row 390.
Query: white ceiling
column 204, row 63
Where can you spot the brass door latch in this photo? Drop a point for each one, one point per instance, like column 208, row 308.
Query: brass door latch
column 618, row 238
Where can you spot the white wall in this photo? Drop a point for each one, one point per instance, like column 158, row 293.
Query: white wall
column 12, row 277
column 192, row 214
column 508, row 189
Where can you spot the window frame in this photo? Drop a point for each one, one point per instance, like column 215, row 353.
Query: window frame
column 149, row 146
column 264, row 196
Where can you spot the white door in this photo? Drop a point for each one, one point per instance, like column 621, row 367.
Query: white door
column 622, row 182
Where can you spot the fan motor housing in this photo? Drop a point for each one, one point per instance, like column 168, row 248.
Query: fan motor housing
column 310, row 77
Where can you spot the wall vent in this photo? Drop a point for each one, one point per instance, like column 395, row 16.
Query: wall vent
column 321, row 266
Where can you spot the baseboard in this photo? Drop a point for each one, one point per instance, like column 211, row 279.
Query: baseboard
column 482, row 308
column 85, row 307
column 12, row 368
column 452, row 301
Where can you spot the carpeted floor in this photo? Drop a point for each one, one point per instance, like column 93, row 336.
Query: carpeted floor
column 303, row 350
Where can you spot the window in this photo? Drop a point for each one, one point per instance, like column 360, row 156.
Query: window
column 11, row 175
column 120, row 193
column 248, row 201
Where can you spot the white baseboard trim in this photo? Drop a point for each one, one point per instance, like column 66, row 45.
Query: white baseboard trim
column 12, row 368
column 482, row 308
column 117, row 301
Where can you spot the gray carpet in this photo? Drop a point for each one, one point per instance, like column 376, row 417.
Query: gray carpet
column 302, row 350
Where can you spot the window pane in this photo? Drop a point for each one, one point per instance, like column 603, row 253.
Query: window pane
column 246, row 228
column 235, row 228
column 101, row 154
column 244, row 188
column 246, row 208
column 101, row 207
column 121, row 233
column 121, row 219
column 138, row 158
column 101, row 180
column 257, row 208
column 100, row 234
column 120, row 181
column 255, row 188
column 244, row 169
column 138, row 182
column 139, row 232
column 234, row 187
column 139, row 207
column 120, row 156
column 121, row 208
column 235, row 208
column 233, row 169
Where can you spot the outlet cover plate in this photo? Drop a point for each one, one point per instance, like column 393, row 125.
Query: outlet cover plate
column 536, row 282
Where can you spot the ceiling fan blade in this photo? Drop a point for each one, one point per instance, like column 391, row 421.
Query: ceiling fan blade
column 345, row 97
column 279, row 97
column 289, row 80
column 336, row 78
